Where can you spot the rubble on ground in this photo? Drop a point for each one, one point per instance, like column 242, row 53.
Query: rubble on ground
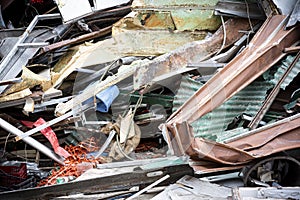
column 149, row 99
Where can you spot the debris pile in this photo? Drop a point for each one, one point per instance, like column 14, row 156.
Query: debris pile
column 160, row 99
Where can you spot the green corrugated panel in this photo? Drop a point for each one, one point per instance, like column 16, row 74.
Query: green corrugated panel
column 231, row 133
column 281, row 68
column 214, row 124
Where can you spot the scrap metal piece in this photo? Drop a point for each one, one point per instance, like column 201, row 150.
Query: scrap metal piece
column 153, row 38
column 267, row 46
column 266, row 193
column 43, row 126
column 190, row 53
column 281, row 170
column 192, row 188
column 11, row 81
column 115, row 182
column 106, row 143
column 77, row 40
column 295, row 15
column 286, row 7
column 71, row 10
column 271, row 97
column 32, row 142
column 123, row 72
column 218, row 125
column 3, row 65
column 149, row 187
column 239, row 8
column 261, row 142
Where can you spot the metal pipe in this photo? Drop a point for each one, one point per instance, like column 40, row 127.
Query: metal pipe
column 149, row 187
column 32, row 142
column 43, row 126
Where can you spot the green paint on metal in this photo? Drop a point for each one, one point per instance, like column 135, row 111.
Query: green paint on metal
column 155, row 20
column 195, row 20
column 169, row 3
column 214, row 124
column 281, row 68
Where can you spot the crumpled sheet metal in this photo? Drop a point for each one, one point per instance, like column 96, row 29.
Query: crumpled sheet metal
column 265, row 49
column 277, row 137
column 190, row 53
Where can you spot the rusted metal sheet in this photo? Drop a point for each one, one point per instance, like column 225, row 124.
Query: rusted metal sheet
column 265, row 50
column 277, row 137
column 266, row 47
column 189, row 53
column 271, row 97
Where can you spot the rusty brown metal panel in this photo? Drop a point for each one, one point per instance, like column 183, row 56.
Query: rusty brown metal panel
column 280, row 136
column 267, row 134
column 189, row 53
column 273, row 94
column 264, row 51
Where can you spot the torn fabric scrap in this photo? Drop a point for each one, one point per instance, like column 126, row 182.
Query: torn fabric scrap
column 51, row 136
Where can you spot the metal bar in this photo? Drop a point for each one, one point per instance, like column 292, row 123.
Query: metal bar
column 11, row 81
column 149, row 187
column 106, row 143
column 43, row 126
column 271, row 97
column 77, row 40
column 23, row 37
column 33, row 45
column 292, row 49
column 279, row 124
column 32, row 142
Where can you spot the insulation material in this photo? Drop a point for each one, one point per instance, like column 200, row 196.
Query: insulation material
column 17, row 95
column 29, row 80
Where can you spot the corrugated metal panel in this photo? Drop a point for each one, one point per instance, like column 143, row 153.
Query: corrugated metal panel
column 231, row 133
column 213, row 124
column 281, row 68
